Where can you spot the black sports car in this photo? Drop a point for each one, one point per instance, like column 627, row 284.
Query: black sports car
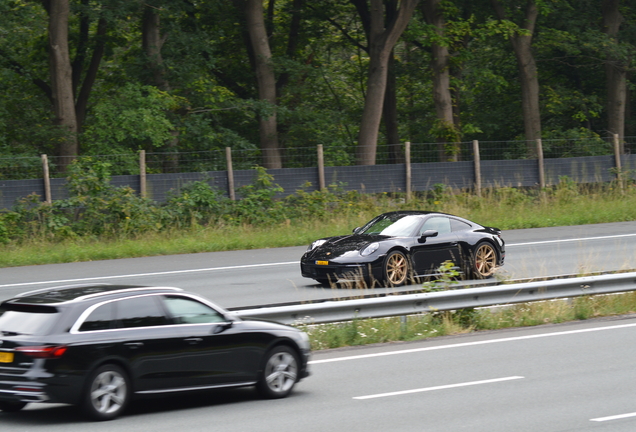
column 399, row 246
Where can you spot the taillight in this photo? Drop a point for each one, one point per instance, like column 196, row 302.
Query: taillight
column 47, row 352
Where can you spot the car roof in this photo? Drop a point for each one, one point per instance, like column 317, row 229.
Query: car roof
column 67, row 294
column 415, row 212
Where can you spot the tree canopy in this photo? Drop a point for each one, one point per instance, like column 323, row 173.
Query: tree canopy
column 89, row 77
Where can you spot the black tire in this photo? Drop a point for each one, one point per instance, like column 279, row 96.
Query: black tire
column 484, row 261
column 11, row 406
column 279, row 373
column 323, row 281
column 396, row 269
column 107, row 392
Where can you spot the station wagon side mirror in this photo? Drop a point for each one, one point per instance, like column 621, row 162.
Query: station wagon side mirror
column 221, row 327
column 355, row 230
column 426, row 234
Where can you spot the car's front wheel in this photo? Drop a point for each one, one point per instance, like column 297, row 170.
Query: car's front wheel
column 279, row 373
column 107, row 393
column 396, row 268
column 484, row 261
column 11, row 406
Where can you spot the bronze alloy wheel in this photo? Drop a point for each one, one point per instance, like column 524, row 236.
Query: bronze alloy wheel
column 396, row 269
column 485, row 261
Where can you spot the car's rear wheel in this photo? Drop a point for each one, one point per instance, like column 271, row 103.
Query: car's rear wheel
column 11, row 406
column 396, row 269
column 107, row 393
column 484, row 261
column 279, row 373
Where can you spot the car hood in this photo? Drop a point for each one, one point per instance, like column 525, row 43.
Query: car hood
column 338, row 246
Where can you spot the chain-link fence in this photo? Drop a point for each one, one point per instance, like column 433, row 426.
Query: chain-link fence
column 512, row 163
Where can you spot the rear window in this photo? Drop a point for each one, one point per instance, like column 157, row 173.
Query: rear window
column 27, row 320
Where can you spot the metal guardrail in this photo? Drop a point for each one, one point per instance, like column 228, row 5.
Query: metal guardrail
column 398, row 305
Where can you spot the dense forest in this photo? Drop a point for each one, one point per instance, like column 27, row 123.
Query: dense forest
column 100, row 77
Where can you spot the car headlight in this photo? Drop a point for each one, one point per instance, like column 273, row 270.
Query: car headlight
column 370, row 249
column 315, row 244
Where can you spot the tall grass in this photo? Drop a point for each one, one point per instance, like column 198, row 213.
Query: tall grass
column 424, row 326
column 335, row 214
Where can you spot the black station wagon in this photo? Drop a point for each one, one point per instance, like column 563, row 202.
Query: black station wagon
column 98, row 346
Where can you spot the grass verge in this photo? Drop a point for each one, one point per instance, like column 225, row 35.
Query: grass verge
column 506, row 208
column 425, row 326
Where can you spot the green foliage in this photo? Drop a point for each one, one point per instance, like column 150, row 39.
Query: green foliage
column 196, row 203
column 448, row 274
column 134, row 117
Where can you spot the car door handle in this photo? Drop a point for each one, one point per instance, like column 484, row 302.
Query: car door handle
column 134, row 345
column 194, row 340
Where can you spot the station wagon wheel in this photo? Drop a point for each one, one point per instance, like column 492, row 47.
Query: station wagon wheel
column 279, row 374
column 11, row 406
column 107, row 392
column 484, row 261
column 396, row 268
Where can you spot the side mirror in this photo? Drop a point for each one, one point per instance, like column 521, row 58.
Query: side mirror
column 426, row 234
column 355, row 230
column 221, row 327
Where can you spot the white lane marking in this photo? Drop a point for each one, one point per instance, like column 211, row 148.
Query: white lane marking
column 151, row 274
column 571, row 240
column 444, row 387
column 469, row 344
column 616, row 417
column 264, row 265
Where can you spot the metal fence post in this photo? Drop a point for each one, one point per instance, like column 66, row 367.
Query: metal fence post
column 47, row 179
column 230, row 173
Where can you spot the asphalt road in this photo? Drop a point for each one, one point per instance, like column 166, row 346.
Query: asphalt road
column 272, row 276
column 556, row 378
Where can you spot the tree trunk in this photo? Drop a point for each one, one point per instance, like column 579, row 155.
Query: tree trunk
column 615, row 73
column 81, row 101
column 390, row 116
column 381, row 42
column 266, row 81
column 529, row 80
column 447, row 134
column 152, row 42
column 62, row 79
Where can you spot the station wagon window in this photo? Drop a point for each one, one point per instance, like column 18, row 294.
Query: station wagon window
column 185, row 310
column 140, row 312
column 102, row 318
column 27, row 319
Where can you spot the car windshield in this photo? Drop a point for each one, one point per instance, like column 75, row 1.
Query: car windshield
column 26, row 321
column 395, row 226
